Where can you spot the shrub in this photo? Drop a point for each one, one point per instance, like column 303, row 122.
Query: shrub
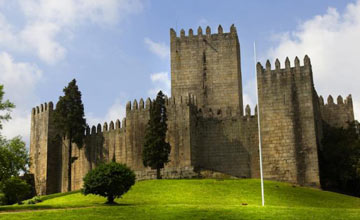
column 339, row 160
column 15, row 190
column 110, row 180
column 2, row 199
column 33, row 200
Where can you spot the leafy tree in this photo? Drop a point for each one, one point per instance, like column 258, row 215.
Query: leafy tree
column 70, row 121
column 110, row 180
column 14, row 157
column 4, row 106
column 15, row 190
column 156, row 150
column 339, row 160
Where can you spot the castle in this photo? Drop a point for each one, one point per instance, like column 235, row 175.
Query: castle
column 207, row 128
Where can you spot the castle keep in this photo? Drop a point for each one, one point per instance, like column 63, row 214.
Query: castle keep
column 207, row 127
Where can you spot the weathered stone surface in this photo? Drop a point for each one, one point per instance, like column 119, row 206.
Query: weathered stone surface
column 209, row 134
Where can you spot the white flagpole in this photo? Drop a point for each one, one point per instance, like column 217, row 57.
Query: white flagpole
column 259, row 134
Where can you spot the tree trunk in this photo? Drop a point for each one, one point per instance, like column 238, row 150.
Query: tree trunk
column 69, row 165
column 158, row 175
column 110, row 200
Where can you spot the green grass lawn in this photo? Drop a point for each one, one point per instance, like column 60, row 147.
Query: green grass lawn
column 195, row 199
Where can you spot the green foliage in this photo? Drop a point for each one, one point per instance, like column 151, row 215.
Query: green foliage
column 69, row 114
column 2, row 197
column 339, row 160
column 33, row 200
column 70, row 121
column 156, row 150
column 4, row 106
column 110, row 180
column 15, row 190
column 14, row 157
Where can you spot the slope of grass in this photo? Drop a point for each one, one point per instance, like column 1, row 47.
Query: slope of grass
column 197, row 199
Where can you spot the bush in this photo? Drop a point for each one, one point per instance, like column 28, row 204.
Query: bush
column 339, row 160
column 15, row 190
column 33, row 200
column 110, row 180
column 2, row 199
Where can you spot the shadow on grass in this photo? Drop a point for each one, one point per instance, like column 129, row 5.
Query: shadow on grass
column 24, row 208
column 118, row 204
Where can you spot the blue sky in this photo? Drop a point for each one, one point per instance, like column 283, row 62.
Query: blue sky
column 118, row 50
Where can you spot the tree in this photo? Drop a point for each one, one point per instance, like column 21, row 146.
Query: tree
column 110, row 180
column 156, row 150
column 14, row 158
column 4, row 106
column 339, row 160
column 69, row 120
column 15, row 190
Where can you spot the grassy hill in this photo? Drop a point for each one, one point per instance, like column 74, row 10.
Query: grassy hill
column 195, row 199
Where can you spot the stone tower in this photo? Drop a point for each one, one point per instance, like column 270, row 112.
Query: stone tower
column 45, row 150
column 289, row 126
column 207, row 66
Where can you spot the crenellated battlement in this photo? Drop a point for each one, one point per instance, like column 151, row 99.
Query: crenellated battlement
column 117, row 126
column 339, row 101
column 207, row 35
column 223, row 113
column 248, row 111
column 287, row 72
column 337, row 114
column 135, row 108
column 46, row 107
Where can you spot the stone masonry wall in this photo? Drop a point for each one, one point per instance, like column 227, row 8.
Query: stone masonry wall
column 288, row 124
column 225, row 143
column 123, row 142
column 45, row 152
column 207, row 66
column 339, row 114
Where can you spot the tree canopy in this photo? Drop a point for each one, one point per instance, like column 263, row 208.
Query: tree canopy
column 110, row 180
column 70, row 121
column 5, row 106
column 156, row 150
column 15, row 190
column 14, row 158
column 69, row 114
column 339, row 159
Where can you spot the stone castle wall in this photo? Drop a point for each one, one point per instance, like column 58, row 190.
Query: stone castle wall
column 209, row 133
column 123, row 143
column 288, row 124
column 339, row 114
column 227, row 143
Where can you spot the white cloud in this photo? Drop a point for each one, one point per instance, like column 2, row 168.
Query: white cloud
column 72, row 12
column 47, row 19
column 19, row 124
column 19, row 81
column 160, row 49
column 44, row 22
column 332, row 42
column 249, row 95
column 203, row 22
column 161, row 81
column 116, row 111
column 41, row 38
